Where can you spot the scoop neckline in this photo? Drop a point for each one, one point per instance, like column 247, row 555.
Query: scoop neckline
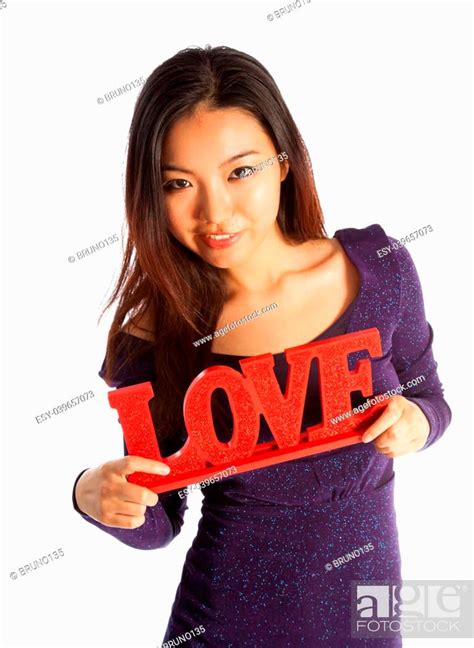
column 348, row 312
column 339, row 234
column 345, row 314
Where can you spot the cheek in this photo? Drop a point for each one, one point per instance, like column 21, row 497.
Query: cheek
column 180, row 219
column 260, row 203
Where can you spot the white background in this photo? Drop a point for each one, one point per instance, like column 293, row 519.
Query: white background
column 381, row 93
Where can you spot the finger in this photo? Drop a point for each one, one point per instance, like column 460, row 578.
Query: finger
column 383, row 447
column 390, row 415
column 128, row 508
column 125, row 521
column 129, row 492
column 389, row 455
column 132, row 463
column 394, row 447
column 390, row 438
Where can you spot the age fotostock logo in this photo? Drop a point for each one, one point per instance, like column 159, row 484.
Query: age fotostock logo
column 436, row 609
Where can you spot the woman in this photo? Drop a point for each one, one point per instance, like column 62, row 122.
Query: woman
column 224, row 218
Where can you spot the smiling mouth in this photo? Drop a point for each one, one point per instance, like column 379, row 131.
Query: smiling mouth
column 221, row 240
column 219, row 237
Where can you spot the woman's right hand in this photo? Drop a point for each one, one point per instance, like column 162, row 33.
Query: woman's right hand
column 105, row 495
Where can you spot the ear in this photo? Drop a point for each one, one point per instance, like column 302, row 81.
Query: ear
column 284, row 168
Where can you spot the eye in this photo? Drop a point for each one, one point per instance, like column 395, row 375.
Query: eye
column 242, row 172
column 180, row 184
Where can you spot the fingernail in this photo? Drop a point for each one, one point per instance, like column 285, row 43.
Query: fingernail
column 367, row 439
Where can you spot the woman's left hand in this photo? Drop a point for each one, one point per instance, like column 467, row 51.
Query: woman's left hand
column 401, row 428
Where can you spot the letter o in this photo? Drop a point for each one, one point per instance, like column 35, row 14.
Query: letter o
column 199, row 420
column 376, row 623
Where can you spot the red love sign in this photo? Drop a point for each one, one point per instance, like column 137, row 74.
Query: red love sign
column 253, row 392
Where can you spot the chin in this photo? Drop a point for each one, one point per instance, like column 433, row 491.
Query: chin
column 226, row 261
column 223, row 264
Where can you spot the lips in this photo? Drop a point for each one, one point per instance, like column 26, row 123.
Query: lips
column 221, row 240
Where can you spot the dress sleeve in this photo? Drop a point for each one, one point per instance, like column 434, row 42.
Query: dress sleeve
column 412, row 354
column 163, row 521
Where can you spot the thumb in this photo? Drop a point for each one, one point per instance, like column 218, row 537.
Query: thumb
column 133, row 463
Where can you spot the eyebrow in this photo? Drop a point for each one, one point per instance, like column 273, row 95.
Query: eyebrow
column 173, row 167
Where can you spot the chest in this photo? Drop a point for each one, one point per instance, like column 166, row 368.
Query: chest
column 295, row 314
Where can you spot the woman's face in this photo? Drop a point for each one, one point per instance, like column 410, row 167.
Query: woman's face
column 211, row 185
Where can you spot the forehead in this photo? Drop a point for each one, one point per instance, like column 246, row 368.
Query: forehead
column 218, row 133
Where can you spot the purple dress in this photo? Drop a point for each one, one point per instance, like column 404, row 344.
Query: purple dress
column 273, row 558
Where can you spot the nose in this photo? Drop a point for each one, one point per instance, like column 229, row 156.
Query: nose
column 215, row 205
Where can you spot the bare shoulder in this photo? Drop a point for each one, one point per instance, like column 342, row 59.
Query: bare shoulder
column 140, row 326
column 329, row 269
column 327, row 255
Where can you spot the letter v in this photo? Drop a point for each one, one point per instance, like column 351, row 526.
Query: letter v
column 284, row 414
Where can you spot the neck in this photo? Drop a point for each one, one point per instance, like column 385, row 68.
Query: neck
column 265, row 268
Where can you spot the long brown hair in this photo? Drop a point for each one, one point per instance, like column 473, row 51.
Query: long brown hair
column 181, row 293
